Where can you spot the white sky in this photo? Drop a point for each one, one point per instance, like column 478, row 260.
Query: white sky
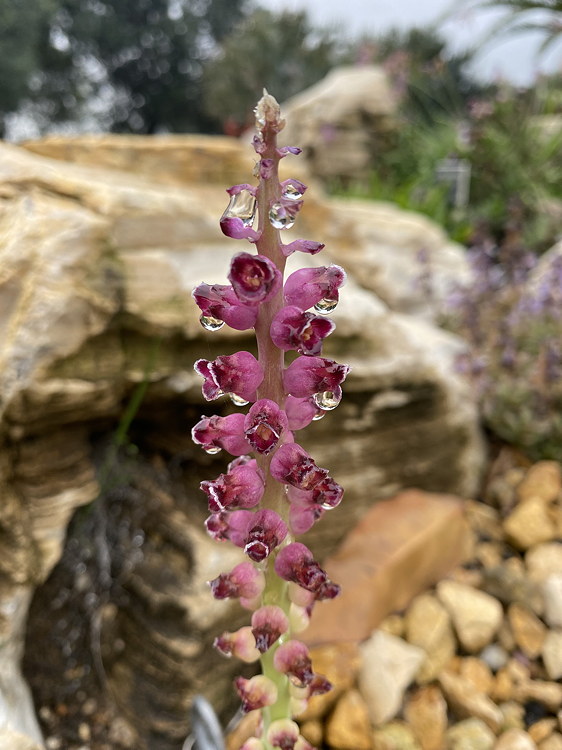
column 513, row 58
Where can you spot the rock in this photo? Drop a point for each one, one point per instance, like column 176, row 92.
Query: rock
column 389, row 666
column 465, row 701
column 399, row 548
column 513, row 715
column 12, row 740
column 426, row 713
column 552, row 654
column 544, row 560
column 542, row 729
column 543, row 481
column 530, row 523
column 554, row 742
column 340, row 664
column 475, row 615
column 547, row 693
column 503, row 687
column 428, row 626
column 341, row 121
column 470, row 734
column 313, row 731
column 349, row 727
column 514, row 739
column 494, row 656
column 243, row 730
column 477, row 673
column 394, row 736
column 529, row 632
column 393, row 624
column 552, row 591
column 508, row 582
column 484, row 520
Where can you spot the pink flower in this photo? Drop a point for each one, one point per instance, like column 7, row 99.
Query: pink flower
column 239, row 373
column 214, row 433
column 264, row 425
column 268, row 625
column 292, row 658
column 234, row 227
column 254, row 278
column 237, row 189
column 327, row 493
column 296, row 563
column 302, row 519
column 241, row 644
column 217, row 526
column 220, row 302
column 292, row 328
column 241, row 487
column 283, row 733
column 308, row 286
column 302, row 246
column 300, row 412
column 258, row 533
column 244, row 581
column 257, row 692
column 292, row 465
column 285, row 150
column 309, row 375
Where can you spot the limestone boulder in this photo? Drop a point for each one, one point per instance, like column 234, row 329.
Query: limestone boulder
column 97, row 326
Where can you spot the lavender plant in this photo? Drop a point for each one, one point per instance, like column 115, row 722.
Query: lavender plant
column 273, row 489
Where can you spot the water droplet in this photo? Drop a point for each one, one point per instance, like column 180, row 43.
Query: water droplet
column 325, row 306
column 238, row 400
column 212, row 450
column 280, row 218
column 318, row 416
column 211, row 324
column 241, row 206
column 327, row 506
column 292, row 192
column 327, row 400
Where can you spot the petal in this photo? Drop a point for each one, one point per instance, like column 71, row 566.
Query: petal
column 308, row 286
column 214, row 433
column 264, row 425
column 300, row 412
column 302, row 246
column 254, row 278
column 219, row 301
column 234, row 227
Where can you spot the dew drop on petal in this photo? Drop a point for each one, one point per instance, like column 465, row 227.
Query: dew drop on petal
column 238, row 400
column 211, row 324
column 280, row 218
column 292, row 193
column 212, row 450
column 319, row 416
column 327, row 400
column 325, row 306
column 241, row 206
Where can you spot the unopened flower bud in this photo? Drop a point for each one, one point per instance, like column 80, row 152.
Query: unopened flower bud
column 241, row 487
column 214, row 433
column 243, row 581
column 219, row 302
column 257, row 692
column 308, row 286
column 268, row 625
column 309, row 375
column 283, row 733
column 292, row 658
column 241, row 644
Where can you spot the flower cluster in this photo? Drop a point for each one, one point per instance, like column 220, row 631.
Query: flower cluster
column 273, row 489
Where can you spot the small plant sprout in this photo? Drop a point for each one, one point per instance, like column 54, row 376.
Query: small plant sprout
column 273, row 489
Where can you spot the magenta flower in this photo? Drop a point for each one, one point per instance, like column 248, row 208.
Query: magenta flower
column 241, row 487
column 217, row 526
column 241, row 644
column 292, row 465
column 244, row 581
column 300, row 412
column 239, row 373
column 309, row 375
column 214, row 433
column 257, row 533
column 218, row 302
column 296, row 563
column 264, row 425
column 327, row 494
column 268, row 625
column 283, row 733
column 292, row 328
column 302, row 246
column 292, row 658
column 254, row 278
column 309, row 286
column 243, row 187
column 285, row 150
column 235, row 227
column 257, row 692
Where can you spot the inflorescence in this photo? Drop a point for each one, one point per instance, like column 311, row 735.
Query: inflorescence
column 273, row 489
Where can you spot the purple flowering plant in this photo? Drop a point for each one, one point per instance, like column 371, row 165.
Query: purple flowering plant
column 273, row 489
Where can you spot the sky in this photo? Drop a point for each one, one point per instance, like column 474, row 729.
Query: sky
column 514, row 58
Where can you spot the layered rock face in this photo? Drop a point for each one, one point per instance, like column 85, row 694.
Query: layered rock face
column 98, row 328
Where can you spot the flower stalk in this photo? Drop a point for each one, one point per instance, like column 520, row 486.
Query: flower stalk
column 273, row 490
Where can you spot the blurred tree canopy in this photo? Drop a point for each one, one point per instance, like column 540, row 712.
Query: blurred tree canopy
column 134, row 65
column 281, row 52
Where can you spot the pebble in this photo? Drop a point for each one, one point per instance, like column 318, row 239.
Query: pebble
column 552, row 654
column 554, row 742
column 477, row 673
column 494, row 656
column 465, row 701
column 395, row 736
column 530, row 523
column 544, row 560
column 428, row 626
column 475, row 614
column 515, row 739
column 547, row 693
column 313, row 732
column 509, row 583
column 543, row 482
column 503, row 687
column 552, row 592
column 513, row 715
column 542, row 729
column 349, row 727
column 340, row 664
column 426, row 712
column 528, row 630
column 470, row 734
column 389, row 665
column 393, row 624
